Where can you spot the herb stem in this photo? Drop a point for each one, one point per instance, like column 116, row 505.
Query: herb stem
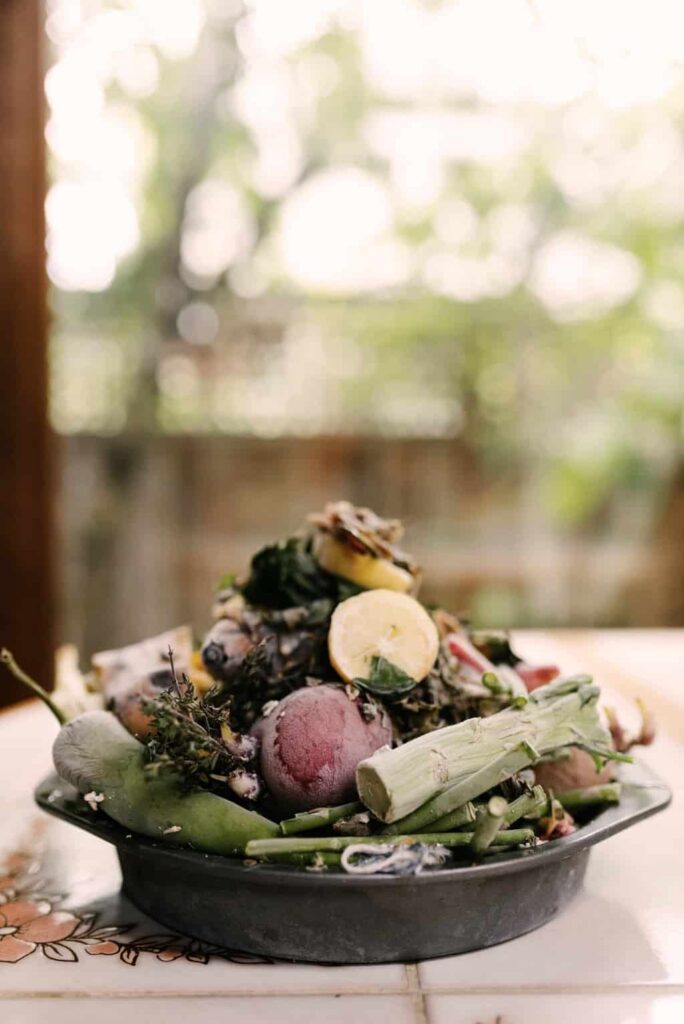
column 7, row 658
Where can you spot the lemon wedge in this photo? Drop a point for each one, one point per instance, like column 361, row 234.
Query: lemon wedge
column 382, row 623
column 365, row 570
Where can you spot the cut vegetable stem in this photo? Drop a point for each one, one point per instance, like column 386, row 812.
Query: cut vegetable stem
column 322, row 817
column 456, row 796
column 488, row 825
column 591, row 796
column 456, row 819
column 335, row 844
column 316, row 858
column 467, row 760
column 529, row 805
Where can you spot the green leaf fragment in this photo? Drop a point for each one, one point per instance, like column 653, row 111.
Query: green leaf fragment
column 386, row 678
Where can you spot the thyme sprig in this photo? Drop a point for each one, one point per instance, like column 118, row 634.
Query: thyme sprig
column 194, row 738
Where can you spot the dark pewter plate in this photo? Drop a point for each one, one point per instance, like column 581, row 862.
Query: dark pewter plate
column 331, row 917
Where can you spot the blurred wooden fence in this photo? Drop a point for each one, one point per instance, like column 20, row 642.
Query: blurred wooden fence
column 148, row 527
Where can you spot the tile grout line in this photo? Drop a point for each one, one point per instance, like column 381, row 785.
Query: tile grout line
column 420, row 1010
column 640, row 988
column 412, row 988
column 213, row 993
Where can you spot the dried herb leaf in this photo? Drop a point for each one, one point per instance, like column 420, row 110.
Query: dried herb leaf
column 193, row 738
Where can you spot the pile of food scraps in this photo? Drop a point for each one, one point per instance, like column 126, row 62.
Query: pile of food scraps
column 330, row 720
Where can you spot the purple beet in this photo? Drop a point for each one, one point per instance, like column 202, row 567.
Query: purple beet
column 311, row 744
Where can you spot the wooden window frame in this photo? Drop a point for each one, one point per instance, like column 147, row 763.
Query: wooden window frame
column 26, row 445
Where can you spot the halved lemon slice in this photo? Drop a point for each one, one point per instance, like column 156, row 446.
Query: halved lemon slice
column 364, row 570
column 382, row 623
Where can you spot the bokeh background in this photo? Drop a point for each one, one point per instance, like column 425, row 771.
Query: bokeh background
column 426, row 256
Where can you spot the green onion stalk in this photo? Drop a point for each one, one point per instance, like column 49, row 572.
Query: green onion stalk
column 414, row 785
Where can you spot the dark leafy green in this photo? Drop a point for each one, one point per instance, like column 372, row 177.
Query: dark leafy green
column 386, row 679
column 286, row 574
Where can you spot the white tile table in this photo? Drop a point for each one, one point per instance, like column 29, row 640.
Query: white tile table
column 615, row 956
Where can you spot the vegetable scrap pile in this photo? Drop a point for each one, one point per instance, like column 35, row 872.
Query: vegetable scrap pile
column 331, row 721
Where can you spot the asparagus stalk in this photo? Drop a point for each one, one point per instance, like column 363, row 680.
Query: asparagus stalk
column 335, row 844
column 450, row 822
column 489, row 825
column 394, row 783
column 577, row 799
column 322, row 817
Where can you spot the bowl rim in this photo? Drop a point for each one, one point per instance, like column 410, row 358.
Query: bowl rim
column 644, row 793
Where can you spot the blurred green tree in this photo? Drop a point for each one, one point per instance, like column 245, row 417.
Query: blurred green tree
column 376, row 219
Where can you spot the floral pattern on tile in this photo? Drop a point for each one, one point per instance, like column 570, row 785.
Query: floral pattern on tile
column 32, row 921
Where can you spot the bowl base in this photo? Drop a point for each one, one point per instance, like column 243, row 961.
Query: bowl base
column 279, row 918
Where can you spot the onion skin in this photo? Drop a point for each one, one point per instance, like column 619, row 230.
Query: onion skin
column 576, row 772
column 311, row 744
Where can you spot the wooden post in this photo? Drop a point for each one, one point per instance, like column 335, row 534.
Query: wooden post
column 26, row 568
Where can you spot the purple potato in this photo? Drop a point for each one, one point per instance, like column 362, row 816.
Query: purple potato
column 311, row 744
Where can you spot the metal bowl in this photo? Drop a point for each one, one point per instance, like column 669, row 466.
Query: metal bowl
column 331, row 917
